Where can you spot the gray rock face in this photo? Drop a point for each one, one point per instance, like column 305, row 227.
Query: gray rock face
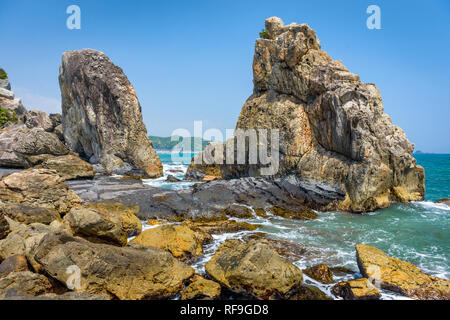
column 36, row 145
column 8, row 94
column 102, row 119
column 4, row 84
column 332, row 126
column 208, row 200
column 38, row 119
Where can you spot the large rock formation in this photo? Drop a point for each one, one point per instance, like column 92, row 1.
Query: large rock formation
column 102, row 119
column 332, row 126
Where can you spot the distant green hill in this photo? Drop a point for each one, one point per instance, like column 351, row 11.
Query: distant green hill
column 166, row 143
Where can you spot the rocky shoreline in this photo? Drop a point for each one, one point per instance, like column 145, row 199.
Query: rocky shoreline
column 72, row 202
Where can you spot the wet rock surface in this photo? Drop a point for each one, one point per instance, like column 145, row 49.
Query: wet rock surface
column 360, row 289
column 209, row 200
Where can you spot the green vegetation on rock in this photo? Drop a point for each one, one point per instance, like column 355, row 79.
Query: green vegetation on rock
column 3, row 74
column 264, row 34
column 7, row 116
column 187, row 144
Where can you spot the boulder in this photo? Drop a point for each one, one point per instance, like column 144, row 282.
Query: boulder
column 130, row 222
column 103, row 223
column 400, row 276
column 8, row 157
column 320, row 273
column 14, row 105
column 360, row 289
column 331, row 127
column 36, row 145
column 181, row 241
column 28, row 214
column 123, row 273
column 201, row 289
column 16, row 263
column 38, row 119
column 254, row 269
column 38, row 188
column 22, row 241
column 239, row 211
column 24, row 283
column 69, row 167
column 101, row 115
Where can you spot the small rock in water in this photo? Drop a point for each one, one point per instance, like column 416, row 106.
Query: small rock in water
column 444, row 201
column 171, row 178
column 360, row 289
column 320, row 272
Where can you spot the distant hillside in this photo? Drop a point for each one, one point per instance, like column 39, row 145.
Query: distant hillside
column 166, row 143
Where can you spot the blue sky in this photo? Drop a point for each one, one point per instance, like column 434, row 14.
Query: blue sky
column 191, row 60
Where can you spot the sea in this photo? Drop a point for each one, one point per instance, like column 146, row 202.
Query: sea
column 418, row 232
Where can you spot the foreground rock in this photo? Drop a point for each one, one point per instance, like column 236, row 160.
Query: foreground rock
column 201, row 289
column 181, row 241
column 103, row 223
column 102, row 117
column 400, row 276
column 27, row 214
column 23, row 240
column 213, row 199
column 124, row 273
column 24, row 282
column 254, row 269
column 38, row 188
column 360, row 289
column 69, row 167
column 332, row 126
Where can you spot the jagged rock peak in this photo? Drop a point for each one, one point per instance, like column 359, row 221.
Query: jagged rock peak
column 333, row 128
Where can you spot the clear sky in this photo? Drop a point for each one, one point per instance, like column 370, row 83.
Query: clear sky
column 191, row 60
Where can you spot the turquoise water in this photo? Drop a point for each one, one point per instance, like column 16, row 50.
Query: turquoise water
column 418, row 232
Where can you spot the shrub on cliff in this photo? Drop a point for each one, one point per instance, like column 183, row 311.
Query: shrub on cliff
column 3, row 74
column 7, row 116
column 264, row 34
